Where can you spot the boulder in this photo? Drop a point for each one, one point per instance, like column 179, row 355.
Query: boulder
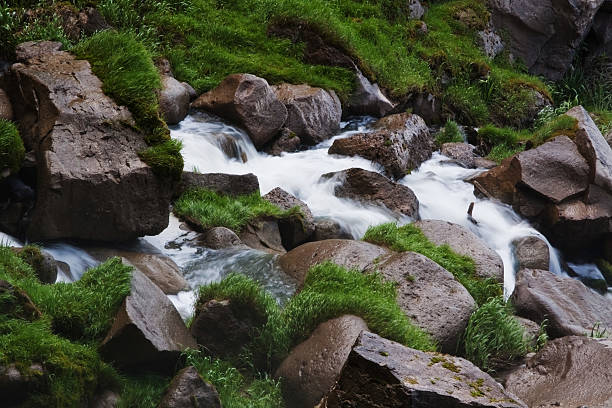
column 531, row 253
column 371, row 188
column 147, row 333
column 91, row 184
column 416, row 9
column 6, row 108
column 462, row 153
column 43, row 263
column 295, row 229
column 570, row 307
column 223, row 328
column 327, row 228
column 490, row 42
column 173, row 100
column 105, row 399
column 228, row 184
column 189, row 390
column 348, row 253
column 464, row 242
column 248, row 101
column 220, row 238
column 193, row 94
column 531, row 331
column 288, row 141
column 367, row 99
column 430, row 296
column 312, row 367
column 568, row 372
column 382, row 373
column 263, row 234
column 399, row 143
column 545, row 34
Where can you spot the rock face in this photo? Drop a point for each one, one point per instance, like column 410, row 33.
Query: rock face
column 367, row 99
column 297, row 229
column 463, row 241
column 148, row 333
column 91, row 184
column 544, row 34
column 532, row 253
column 188, row 390
column 382, row 373
column 248, row 101
column 568, row 372
column 371, row 188
column 430, row 296
column 313, row 366
column 399, row 143
column 6, row 108
column 570, row 307
column 173, row 100
column 228, row 184
column 348, row 253
column 312, row 113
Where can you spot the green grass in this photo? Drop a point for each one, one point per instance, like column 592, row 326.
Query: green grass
column 165, row 158
column 450, row 133
column 12, row 151
column 210, row 209
column 493, row 336
column 410, row 238
column 142, row 391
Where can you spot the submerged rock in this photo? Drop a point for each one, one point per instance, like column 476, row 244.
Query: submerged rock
column 189, row 390
column 295, row 229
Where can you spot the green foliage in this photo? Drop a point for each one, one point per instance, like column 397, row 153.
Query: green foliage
column 449, row 133
column 165, row 159
column 588, row 86
column 12, row 151
column 210, row 209
column 143, row 391
column 410, row 238
column 562, row 125
column 605, row 268
column 493, row 336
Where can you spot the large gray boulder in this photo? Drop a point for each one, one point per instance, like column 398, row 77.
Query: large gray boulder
column 382, row 373
column 173, row 100
column 248, row 101
column 295, row 229
column 399, row 143
column 91, row 184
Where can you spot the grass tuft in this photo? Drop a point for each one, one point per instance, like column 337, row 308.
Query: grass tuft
column 12, row 151
column 165, row 159
column 450, row 133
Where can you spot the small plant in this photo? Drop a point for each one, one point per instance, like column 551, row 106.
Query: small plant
column 597, row 331
column 450, row 133
column 542, row 337
column 12, row 151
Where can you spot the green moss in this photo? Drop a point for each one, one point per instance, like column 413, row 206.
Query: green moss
column 410, row 238
column 209, row 209
column 450, row 133
column 12, row 151
column 142, row 391
column 165, row 159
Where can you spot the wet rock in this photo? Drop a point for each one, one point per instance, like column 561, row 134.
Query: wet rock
column 464, row 242
column 148, row 333
column 16, row 303
column 43, row 263
column 329, row 229
column 17, row 383
column 382, row 373
column 248, row 101
column 348, row 253
column 313, row 366
column 173, row 100
column 288, row 141
column 295, row 229
column 463, row 153
column 427, row 106
column 531, row 253
column 228, row 184
column 220, row 238
column 264, row 234
column 570, row 307
column 371, row 188
column 367, row 99
column 568, row 372
column 91, row 183
column 430, row 296
column 6, row 108
column 188, row 390
column 399, row 143
column 223, row 328
column 193, row 94
column 546, row 34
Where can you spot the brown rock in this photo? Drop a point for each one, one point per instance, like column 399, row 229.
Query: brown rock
column 329, row 229
column 220, row 238
column 568, row 372
column 228, row 184
column 296, row 229
column 250, row 102
column 6, row 108
column 399, row 143
column 570, row 307
column 288, row 141
column 375, row 189
column 463, row 153
column 189, row 390
column 532, row 253
column 173, row 100
column 381, row 373
column 313, row 366
column 264, row 234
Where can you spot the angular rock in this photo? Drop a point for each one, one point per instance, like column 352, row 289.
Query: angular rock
column 427, row 106
column 296, row 229
column 532, row 253
column 371, row 188
column 6, row 108
column 348, row 253
column 490, row 42
column 463, row 153
column 162, row 271
column 288, row 141
column 228, row 184
column 399, row 143
column 568, row 372
column 173, row 100
column 91, row 184
column 312, row 367
column 148, row 333
column 463, row 241
column 430, row 296
column 367, row 99
column 220, row 238
column 329, row 229
column 250, row 102
column 264, row 234
column 189, row 390
column 312, row 113
column 570, row 307
column 382, row 373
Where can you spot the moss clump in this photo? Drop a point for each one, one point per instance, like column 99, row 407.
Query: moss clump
column 12, row 151
column 142, row 391
column 165, row 158
column 410, row 238
column 450, row 133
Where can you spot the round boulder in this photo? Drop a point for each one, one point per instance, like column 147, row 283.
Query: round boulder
column 173, row 100
column 532, row 253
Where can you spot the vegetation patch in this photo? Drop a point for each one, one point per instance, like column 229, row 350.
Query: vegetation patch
column 410, row 238
column 142, row 391
column 450, row 133
column 12, row 151
column 165, row 158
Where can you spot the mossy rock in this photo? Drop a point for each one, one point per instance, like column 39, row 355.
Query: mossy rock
column 44, row 265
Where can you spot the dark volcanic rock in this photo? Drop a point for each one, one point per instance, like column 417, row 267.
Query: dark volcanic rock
column 228, row 184
column 296, row 229
column 189, row 390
